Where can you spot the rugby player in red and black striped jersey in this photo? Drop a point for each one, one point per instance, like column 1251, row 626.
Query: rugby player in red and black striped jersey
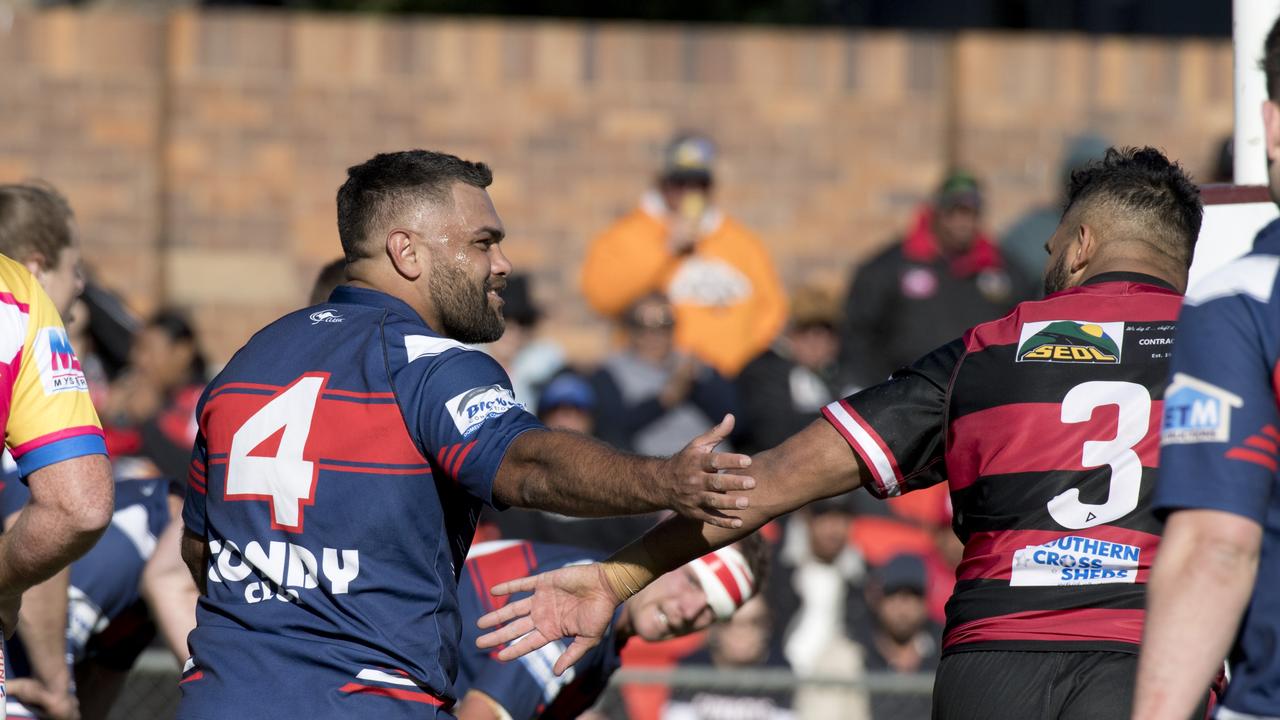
column 1045, row 424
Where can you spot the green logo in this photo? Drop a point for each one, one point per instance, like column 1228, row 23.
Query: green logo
column 1072, row 342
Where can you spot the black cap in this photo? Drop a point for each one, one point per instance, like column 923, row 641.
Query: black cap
column 903, row 572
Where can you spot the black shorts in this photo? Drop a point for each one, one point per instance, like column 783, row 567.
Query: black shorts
column 994, row 685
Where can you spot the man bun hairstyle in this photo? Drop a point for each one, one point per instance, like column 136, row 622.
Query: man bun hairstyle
column 1144, row 192
column 378, row 190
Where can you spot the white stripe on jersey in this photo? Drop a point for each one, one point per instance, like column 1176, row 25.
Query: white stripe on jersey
column 490, row 547
column 1252, row 275
column 385, row 677
column 881, row 466
column 420, row 346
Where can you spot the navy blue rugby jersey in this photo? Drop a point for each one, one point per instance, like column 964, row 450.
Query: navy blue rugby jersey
column 1045, row 425
column 527, row 688
column 342, row 459
column 1220, row 445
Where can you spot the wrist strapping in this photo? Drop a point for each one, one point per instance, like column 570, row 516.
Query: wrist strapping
column 630, row 569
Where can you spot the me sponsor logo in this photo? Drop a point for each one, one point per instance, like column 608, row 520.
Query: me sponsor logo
column 1075, row 560
column 476, row 406
column 282, row 571
column 59, row 367
column 1071, row 341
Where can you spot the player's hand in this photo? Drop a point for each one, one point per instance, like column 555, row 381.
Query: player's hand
column 700, row 483
column 9, row 607
column 49, row 704
column 572, row 602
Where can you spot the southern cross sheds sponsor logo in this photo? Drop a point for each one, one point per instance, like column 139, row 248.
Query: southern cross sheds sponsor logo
column 472, row 408
column 1071, row 341
column 1196, row 411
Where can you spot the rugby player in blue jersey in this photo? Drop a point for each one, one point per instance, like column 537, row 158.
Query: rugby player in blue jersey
column 707, row 590
column 1214, row 588
column 345, row 451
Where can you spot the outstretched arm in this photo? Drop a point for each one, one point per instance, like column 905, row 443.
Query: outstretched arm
column 579, row 601
column 572, row 474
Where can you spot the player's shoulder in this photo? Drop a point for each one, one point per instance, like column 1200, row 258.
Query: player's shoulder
column 15, row 279
column 1250, row 278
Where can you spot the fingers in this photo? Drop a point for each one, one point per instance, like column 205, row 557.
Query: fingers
column 717, row 519
column 574, row 653
column 724, row 482
column 506, row 613
column 514, row 586
column 714, row 462
column 524, row 646
column 717, row 434
column 506, row 633
column 713, row 502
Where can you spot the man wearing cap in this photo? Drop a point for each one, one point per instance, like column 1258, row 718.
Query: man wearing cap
column 729, row 303
column 689, row 599
column 943, row 276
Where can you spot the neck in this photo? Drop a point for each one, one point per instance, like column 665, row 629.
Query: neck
column 1146, row 267
column 902, row 656
column 398, row 288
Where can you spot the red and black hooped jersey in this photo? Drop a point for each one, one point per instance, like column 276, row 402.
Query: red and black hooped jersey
column 1045, row 423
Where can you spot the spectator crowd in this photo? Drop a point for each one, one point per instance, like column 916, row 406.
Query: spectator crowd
column 703, row 327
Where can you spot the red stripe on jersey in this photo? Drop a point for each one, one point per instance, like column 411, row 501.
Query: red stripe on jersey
column 340, row 431
column 462, row 456
column 198, row 488
column 1271, row 432
column 1082, row 625
column 1261, row 443
column 394, row 693
column 1253, row 456
column 244, row 386
column 425, row 469
column 876, row 480
column 1094, row 303
column 989, row 555
column 193, row 676
column 354, row 394
column 879, row 441
column 53, row 437
column 9, row 299
column 510, row 563
column 1012, row 439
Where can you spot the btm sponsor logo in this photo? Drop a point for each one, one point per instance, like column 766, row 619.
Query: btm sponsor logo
column 1071, row 341
column 1196, row 411
column 281, row 570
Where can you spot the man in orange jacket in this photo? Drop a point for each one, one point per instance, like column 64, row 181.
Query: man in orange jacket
column 728, row 301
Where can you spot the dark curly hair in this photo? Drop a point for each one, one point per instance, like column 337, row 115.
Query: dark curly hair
column 1147, row 190
column 379, row 189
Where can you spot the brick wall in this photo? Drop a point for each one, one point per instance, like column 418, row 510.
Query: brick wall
column 202, row 150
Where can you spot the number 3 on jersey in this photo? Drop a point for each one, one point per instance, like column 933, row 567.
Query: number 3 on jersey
column 1126, row 467
column 286, row 479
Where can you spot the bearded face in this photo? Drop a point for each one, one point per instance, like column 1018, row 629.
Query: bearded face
column 1056, row 276
column 470, row 309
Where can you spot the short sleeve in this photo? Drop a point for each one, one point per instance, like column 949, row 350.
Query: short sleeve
column 898, row 427
column 1221, row 427
column 51, row 418
column 467, row 416
column 193, row 502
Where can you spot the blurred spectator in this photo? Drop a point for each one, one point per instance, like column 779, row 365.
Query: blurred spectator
column 1024, row 241
column 333, row 274
column 530, row 361
column 899, row 637
column 783, row 389
column 944, row 276
column 742, row 642
column 729, row 303
column 816, row 589
column 156, row 397
column 568, row 402
column 650, row 398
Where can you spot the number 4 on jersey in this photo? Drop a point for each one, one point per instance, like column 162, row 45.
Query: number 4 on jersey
column 286, row 480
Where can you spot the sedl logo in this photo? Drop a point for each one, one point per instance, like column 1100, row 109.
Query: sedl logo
column 1071, row 341
column 59, row 367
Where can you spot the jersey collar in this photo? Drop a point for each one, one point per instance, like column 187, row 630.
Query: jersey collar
column 352, row 295
column 1132, row 277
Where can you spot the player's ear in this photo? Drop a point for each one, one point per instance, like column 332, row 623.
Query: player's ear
column 35, row 264
column 1083, row 246
column 1271, row 125
column 403, row 252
